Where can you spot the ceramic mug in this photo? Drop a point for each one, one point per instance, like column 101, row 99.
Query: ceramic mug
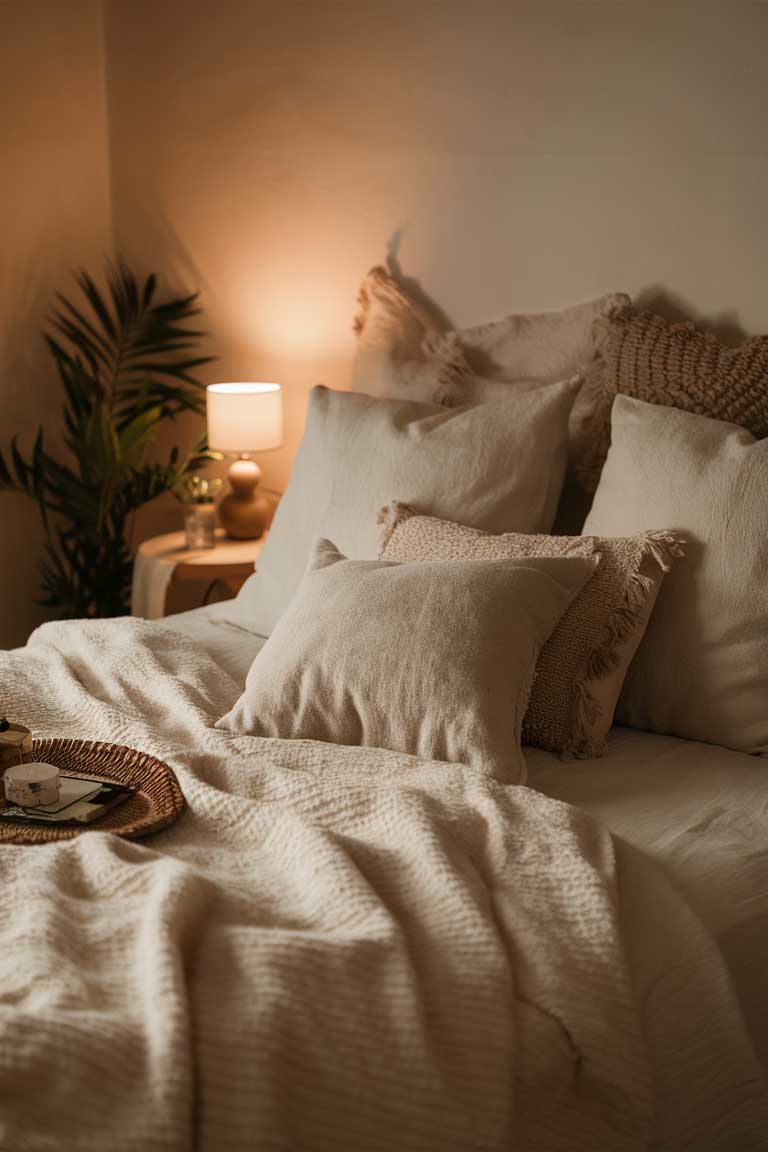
column 30, row 785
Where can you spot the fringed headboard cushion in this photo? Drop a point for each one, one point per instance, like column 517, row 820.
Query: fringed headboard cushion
column 581, row 667
column 404, row 352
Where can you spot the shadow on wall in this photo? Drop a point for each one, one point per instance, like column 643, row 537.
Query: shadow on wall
column 725, row 325
column 655, row 298
column 30, row 396
column 412, row 286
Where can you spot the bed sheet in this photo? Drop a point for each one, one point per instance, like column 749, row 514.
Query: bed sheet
column 701, row 812
column 698, row 810
column 231, row 647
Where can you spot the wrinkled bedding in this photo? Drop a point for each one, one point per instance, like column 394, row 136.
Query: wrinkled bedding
column 702, row 813
column 341, row 948
column 698, row 810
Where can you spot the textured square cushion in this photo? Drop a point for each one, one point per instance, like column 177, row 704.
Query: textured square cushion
column 435, row 660
column 701, row 670
column 498, row 466
column 640, row 354
column 582, row 665
column 403, row 350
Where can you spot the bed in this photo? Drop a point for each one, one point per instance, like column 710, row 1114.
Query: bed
column 424, row 894
column 699, row 811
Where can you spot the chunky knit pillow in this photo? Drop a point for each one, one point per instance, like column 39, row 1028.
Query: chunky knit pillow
column 640, row 354
column 581, row 667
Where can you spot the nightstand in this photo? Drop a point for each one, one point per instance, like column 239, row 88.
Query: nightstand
column 166, row 558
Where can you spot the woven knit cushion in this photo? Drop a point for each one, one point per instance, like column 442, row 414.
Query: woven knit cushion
column 582, row 665
column 434, row 660
column 480, row 465
column 701, row 670
column 642, row 355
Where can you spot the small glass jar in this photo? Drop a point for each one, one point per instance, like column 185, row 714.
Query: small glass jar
column 200, row 525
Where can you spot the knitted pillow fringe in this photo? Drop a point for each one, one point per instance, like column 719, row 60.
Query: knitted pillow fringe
column 662, row 547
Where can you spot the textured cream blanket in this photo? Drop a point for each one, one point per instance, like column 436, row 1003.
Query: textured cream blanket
column 340, row 948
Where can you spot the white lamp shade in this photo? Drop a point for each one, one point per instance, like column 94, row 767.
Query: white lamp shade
column 244, row 417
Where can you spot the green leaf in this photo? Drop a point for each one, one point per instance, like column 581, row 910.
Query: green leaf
column 135, row 438
column 126, row 364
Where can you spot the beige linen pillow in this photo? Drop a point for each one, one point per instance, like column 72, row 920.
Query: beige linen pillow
column 498, row 466
column 640, row 354
column 701, row 670
column 581, row 667
column 433, row 660
column 403, row 351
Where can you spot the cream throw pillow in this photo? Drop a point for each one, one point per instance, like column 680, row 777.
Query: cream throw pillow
column 701, row 670
column 582, row 665
column 435, row 660
column 403, row 351
column 499, row 466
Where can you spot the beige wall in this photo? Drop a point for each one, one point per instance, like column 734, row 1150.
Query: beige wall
column 521, row 154
column 518, row 154
column 54, row 205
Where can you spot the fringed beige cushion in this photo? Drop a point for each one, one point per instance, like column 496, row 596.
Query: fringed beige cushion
column 404, row 351
column 640, row 354
column 581, row 667
column 392, row 357
column 434, row 660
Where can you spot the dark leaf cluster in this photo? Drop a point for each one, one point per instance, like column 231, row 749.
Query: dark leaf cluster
column 126, row 364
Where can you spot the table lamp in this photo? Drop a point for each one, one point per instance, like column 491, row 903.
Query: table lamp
column 244, row 418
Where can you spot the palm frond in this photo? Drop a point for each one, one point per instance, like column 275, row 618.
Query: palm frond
column 125, row 364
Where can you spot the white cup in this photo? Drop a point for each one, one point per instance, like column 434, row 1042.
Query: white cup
column 30, row 785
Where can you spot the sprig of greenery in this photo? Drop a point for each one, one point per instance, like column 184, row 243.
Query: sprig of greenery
column 126, row 366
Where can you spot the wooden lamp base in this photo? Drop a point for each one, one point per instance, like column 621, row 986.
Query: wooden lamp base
column 244, row 513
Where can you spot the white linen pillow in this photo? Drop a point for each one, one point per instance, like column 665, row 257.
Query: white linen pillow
column 498, row 467
column 433, row 659
column 701, row 670
column 403, row 350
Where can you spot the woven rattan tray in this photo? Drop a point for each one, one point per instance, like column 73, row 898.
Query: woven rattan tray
column 158, row 800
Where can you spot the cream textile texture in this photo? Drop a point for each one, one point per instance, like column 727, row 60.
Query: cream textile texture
column 640, row 354
column 432, row 659
column 401, row 351
column 482, row 466
column 337, row 949
column 582, row 665
column 540, row 346
column 701, row 670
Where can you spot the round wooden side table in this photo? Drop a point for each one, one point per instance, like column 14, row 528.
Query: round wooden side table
column 165, row 558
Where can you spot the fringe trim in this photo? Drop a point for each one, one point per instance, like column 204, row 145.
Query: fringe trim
column 377, row 278
column 379, row 283
column 389, row 517
column 663, row 547
column 454, row 377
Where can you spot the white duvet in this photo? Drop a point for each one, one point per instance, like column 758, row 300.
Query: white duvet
column 340, row 948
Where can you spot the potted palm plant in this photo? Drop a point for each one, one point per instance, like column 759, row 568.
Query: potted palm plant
column 126, row 366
